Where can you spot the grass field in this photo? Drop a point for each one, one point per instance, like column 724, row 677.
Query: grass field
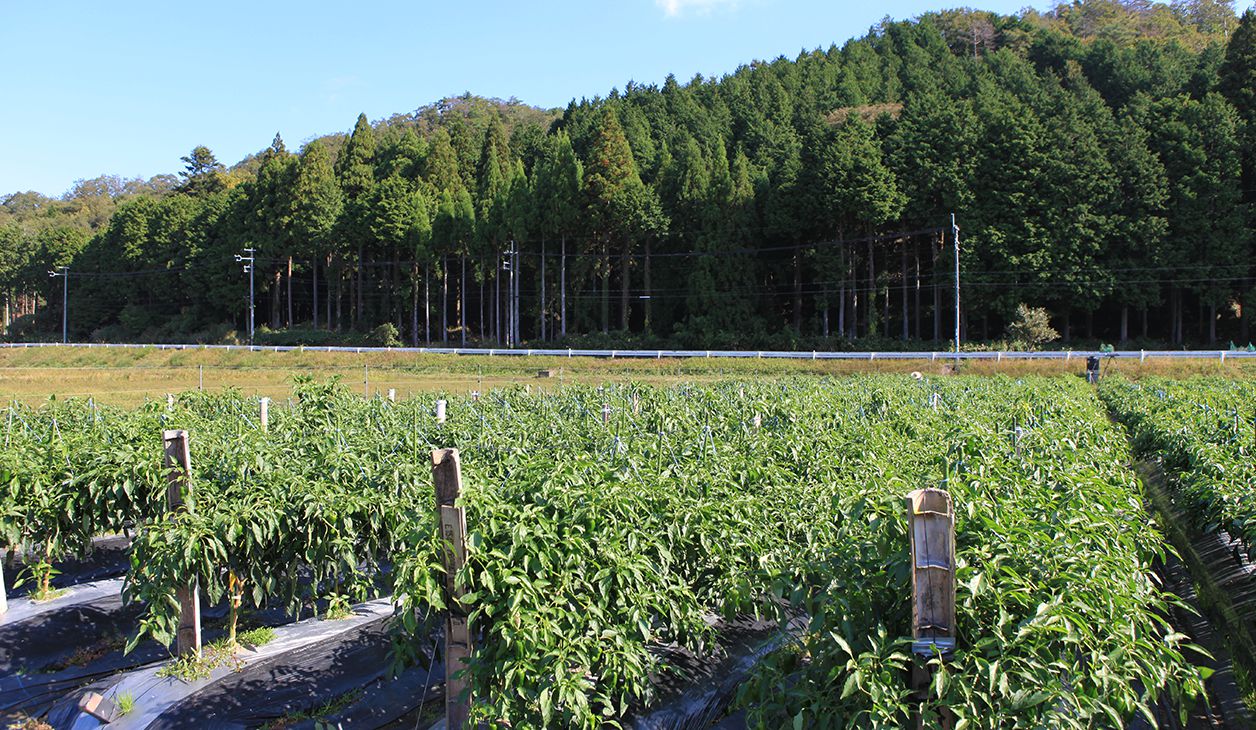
column 131, row 376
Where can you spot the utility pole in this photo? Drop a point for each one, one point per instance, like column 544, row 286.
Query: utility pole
column 247, row 259
column 955, row 235
column 512, row 313
column 64, row 273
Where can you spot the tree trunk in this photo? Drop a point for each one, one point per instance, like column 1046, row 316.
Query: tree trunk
column 427, row 304
column 916, row 256
column 903, row 289
column 542, row 328
column 1212, row 324
column 444, row 299
column 937, row 299
column 625, row 280
column 340, row 296
column 462, row 301
column 562, row 288
column 396, row 302
column 276, row 294
column 606, row 287
column 872, row 288
column 314, row 283
column 414, row 304
column 1125, row 323
column 359, row 312
column 797, row 304
column 289, row 325
column 646, row 282
column 841, row 287
column 497, row 297
column 852, row 274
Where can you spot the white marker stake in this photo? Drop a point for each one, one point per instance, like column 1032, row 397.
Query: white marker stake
column 263, row 414
column 169, row 402
column 392, row 395
column 606, row 414
column 440, row 411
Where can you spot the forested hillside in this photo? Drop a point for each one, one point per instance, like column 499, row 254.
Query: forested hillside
column 1099, row 159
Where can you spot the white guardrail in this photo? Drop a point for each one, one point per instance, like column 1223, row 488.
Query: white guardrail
column 1066, row 355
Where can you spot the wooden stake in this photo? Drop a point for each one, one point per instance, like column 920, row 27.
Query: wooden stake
column 263, row 414
column 447, row 478
column 931, row 530
column 178, row 480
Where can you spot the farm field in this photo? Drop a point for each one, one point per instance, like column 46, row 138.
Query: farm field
column 132, row 376
column 615, row 533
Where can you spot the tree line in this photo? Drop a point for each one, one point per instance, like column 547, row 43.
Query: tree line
column 1098, row 159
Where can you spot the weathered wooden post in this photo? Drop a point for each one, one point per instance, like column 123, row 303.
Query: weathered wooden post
column 440, row 411
column 263, row 414
column 178, row 481
column 447, row 478
column 931, row 530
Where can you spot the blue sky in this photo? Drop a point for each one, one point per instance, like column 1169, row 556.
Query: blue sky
column 128, row 87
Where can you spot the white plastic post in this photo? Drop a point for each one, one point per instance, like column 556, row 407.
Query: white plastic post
column 263, row 414
column 392, row 395
column 440, row 411
column 169, row 402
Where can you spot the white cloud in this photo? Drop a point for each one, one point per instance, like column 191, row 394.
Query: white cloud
column 676, row 8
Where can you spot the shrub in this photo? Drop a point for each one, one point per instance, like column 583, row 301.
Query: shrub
column 1031, row 327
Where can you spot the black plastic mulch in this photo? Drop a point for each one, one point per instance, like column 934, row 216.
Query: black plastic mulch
column 58, row 655
column 342, row 681
column 110, row 557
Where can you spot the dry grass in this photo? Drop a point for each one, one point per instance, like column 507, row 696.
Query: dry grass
column 130, row 377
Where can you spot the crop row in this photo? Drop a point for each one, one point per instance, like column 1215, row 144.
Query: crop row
column 1202, row 431
column 593, row 541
